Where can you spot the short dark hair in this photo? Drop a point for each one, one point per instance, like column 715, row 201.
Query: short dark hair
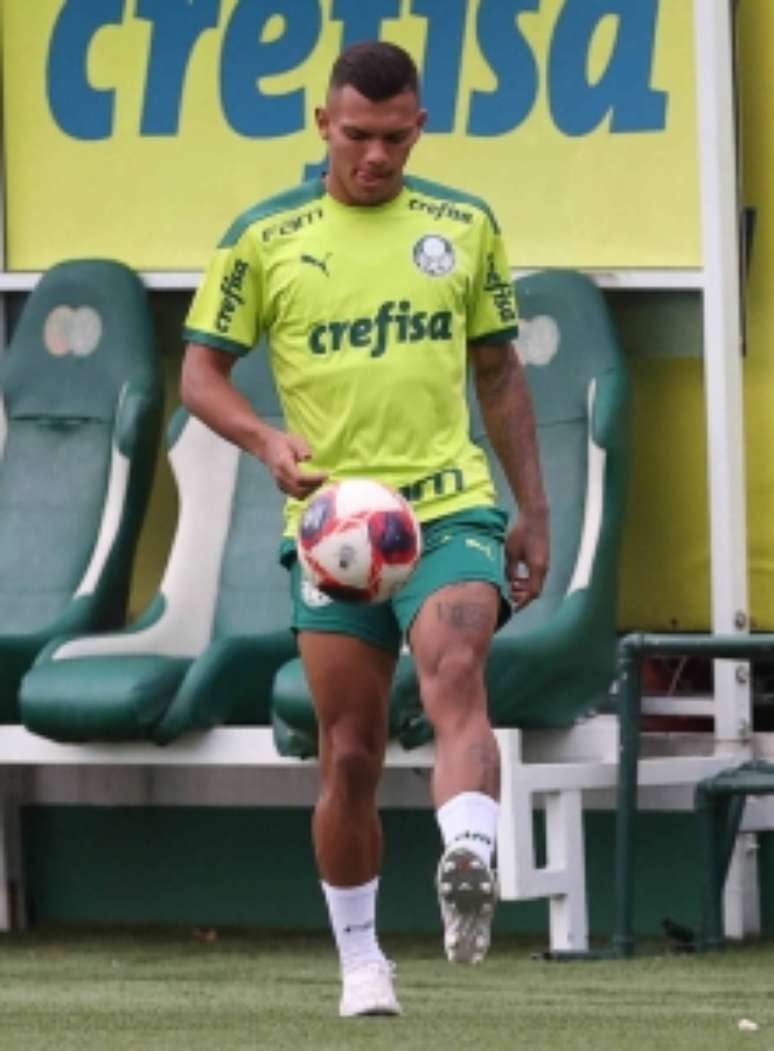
column 376, row 69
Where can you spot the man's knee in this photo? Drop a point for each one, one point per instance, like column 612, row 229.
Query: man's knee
column 352, row 761
column 455, row 678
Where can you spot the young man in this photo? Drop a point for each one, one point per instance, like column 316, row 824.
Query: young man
column 376, row 290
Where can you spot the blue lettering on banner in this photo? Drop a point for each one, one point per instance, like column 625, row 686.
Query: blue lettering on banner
column 80, row 110
column 177, row 25
column 443, row 59
column 624, row 88
column 363, row 21
column 512, row 61
column 622, row 94
column 246, row 59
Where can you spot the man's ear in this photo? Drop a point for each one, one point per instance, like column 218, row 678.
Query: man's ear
column 322, row 121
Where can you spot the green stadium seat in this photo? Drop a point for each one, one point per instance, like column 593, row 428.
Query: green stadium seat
column 554, row 661
column 80, row 416
column 206, row 650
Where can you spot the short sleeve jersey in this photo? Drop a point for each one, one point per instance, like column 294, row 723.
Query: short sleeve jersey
column 368, row 313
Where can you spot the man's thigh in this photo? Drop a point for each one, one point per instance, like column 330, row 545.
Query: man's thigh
column 350, row 683
column 458, row 549
column 458, row 621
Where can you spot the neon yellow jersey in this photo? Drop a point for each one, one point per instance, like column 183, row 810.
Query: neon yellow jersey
column 368, row 312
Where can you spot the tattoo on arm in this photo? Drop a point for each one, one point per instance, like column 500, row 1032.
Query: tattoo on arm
column 509, row 420
column 464, row 615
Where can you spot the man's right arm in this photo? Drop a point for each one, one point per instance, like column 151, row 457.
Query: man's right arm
column 208, row 393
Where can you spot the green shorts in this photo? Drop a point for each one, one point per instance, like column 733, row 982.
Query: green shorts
column 467, row 545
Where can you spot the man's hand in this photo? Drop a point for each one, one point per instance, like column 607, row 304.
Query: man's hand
column 526, row 557
column 282, row 453
column 208, row 393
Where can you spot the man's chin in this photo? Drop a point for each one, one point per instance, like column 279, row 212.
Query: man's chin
column 377, row 193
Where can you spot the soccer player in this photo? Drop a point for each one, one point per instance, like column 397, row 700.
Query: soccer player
column 376, row 291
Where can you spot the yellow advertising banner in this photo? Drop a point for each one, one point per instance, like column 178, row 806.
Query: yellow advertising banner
column 666, row 559
column 756, row 31
column 139, row 128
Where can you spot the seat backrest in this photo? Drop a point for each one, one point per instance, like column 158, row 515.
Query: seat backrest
column 222, row 576
column 80, row 410
column 253, row 596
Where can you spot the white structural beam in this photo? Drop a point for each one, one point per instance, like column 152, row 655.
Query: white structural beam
column 724, row 400
column 723, row 359
column 673, row 279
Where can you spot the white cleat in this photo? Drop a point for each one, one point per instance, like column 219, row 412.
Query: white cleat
column 467, row 894
column 368, row 990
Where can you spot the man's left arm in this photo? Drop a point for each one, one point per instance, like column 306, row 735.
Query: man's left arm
column 509, row 419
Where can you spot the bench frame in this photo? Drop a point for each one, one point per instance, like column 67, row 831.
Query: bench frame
column 557, row 771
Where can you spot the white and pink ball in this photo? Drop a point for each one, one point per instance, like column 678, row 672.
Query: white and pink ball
column 358, row 541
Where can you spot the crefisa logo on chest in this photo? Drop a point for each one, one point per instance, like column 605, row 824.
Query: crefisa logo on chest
column 434, row 255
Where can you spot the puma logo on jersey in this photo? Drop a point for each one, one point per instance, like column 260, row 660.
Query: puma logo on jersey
column 321, row 264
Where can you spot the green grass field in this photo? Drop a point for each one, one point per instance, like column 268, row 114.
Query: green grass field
column 111, row 991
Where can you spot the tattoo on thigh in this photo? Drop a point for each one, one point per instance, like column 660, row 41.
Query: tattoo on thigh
column 464, row 614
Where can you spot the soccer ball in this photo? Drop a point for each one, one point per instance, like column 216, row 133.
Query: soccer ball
column 358, row 541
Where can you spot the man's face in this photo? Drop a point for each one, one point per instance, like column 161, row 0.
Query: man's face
column 368, row 143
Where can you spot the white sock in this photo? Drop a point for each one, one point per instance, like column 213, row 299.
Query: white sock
column 470, row 820
column 352, row 911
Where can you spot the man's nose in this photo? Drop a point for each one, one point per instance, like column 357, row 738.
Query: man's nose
column 376, row 153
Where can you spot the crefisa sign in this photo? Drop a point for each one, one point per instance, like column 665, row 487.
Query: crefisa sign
column 568, row 116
